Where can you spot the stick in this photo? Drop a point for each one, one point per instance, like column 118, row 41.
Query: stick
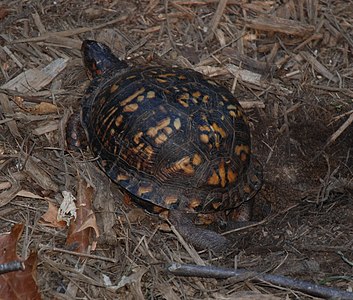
column 12, row 266
column 222, row 273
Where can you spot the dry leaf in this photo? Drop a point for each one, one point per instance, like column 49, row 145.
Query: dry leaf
column 133, row 279
column 50, row 218
column 81, row 230
column 19, row 284
column 67, row 209
column 34, row 79
column 28, row 194
column 43, row 108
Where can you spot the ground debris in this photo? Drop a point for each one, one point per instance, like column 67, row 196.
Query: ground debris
column 289, row 63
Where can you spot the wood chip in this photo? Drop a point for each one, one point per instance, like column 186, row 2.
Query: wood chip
column 38, row 22
column 40, row 176
column 33, row 80
column 51, row 126
column 7, row 109
column 216, row 18
column 275, row 24
column 65, row 42
column 318, row 66
column 340, row 130
column 244, row 75
column 12, row 56
column 71, row 32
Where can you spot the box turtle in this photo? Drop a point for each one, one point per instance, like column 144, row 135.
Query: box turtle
column 173, row 139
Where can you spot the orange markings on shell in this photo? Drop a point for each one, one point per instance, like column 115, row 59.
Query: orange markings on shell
column 204, row 128
column 196, row 94
column 214, row 179
column 232, row 176
column 137, row 137
column 121, row 177
column 196, row 160
column 194, row 203
column 232, row 114
column 225, row 98
column 183, row 103
column 205, row 99
column 241, row 148
column 218, row 129
column 114, row 88
column 183, row 97
column 153, row 131
column 151, row 94
column 222, row 174
column 216, row 205
column 131, row 107
column 144, row 190
column 168, row 130
column 112, row 132
column 177, row 124
column 170, row 199
column 184, row 165
column 118, row 120
column 160, row 139
column 167, row 75
column 204, row 138
column 132, row 97
column 149, row 151
column 111, row 112
column 181, row 165
column 138, row 148
column 232, row 107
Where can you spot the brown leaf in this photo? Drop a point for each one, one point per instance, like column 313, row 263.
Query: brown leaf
column 81, row 230
column 44, row 108
column 19, row 284
column 50, row 218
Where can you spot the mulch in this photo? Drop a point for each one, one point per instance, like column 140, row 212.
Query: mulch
column 290, row 65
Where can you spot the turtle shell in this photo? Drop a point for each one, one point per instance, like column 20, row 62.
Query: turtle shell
column 171, row 137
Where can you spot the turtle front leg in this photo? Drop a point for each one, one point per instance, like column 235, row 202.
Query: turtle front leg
column 198, row 237
column 75, row 134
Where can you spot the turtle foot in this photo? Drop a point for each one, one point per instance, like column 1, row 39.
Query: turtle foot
column 198, row 237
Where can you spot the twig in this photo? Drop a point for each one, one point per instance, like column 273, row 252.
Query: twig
column 216, row 19
column 70, row 32
column 267, row 219
column 12, row 266
column 43, row 247
column 339, row 131
column 222, row 273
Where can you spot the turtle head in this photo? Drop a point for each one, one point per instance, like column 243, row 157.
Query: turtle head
column 99, row 58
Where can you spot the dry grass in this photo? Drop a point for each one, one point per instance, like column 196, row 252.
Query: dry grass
column 289, row 63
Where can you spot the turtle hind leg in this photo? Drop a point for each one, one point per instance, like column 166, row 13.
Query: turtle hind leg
column 75, row 134
column 198, row 237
